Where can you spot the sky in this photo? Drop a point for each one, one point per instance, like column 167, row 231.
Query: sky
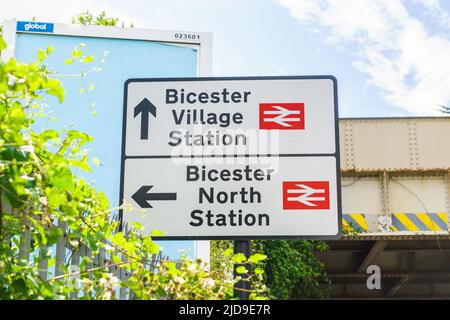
column 391, row 57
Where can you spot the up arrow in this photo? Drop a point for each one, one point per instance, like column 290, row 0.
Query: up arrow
column 142, row 196
column 144, row 108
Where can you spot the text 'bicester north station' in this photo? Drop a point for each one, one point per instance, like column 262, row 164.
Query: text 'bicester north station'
column 243, row 195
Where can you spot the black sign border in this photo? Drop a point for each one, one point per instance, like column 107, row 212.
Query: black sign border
column 336, row 154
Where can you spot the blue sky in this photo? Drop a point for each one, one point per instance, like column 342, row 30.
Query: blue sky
column 391, row 57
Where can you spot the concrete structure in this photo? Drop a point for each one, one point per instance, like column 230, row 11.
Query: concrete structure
column 395, row 190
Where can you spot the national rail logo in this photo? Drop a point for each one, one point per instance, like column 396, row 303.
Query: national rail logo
column 282, row 116
column 306, row 195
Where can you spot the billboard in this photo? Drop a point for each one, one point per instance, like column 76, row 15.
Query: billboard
column 121, row 53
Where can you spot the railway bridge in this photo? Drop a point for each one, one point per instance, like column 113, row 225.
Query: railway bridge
column 395, row 197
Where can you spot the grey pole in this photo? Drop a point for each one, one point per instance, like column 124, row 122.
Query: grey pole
column 242, row 246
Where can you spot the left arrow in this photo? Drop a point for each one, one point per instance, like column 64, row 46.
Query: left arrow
column 142, row 196
column 145, row 107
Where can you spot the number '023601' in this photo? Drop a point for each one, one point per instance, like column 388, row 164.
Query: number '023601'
column 189, row 36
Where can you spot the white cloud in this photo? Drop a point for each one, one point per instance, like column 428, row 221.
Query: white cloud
column 435, row 10
column 402, row 58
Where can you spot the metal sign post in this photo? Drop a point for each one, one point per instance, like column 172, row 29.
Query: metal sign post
column 242, row 287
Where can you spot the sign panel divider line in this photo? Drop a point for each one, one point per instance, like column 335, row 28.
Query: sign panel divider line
column 235, row 156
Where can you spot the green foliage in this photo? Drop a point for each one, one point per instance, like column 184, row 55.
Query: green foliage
column 222, row 264
column 280, row 269
column 292, row 271
column 87, row 18
column 187, row 280
column 39, row 194
column 350, row 229
column 102, row 19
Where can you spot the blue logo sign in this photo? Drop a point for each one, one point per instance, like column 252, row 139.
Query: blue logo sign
column 32, row 26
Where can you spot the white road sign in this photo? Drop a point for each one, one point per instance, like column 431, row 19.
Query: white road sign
column 267, row 198
column 222, row 158
column 192, row 117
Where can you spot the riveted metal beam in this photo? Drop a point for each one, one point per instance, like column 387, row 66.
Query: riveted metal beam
column 416, row 275
column 349, row 145
column 399, row 285
column 373, row 253
column 413, row 145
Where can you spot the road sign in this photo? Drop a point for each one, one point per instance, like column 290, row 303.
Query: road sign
column 203, row 117
column 185, row 174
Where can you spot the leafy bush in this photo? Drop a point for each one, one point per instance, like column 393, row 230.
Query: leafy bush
column 42, row 199
column 292, row 271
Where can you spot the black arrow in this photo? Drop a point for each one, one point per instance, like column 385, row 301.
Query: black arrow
column 142, row 196
column 144, row 108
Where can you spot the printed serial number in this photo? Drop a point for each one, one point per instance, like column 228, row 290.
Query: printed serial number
column 252, row 309
column 229, row 310
column 190, row 36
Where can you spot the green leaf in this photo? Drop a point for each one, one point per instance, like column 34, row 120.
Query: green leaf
column 171, row 267
column 51, row 262
column 53, row 235
column 257, row 257
column 254, row 296
column 96, row 161
column 87, row 59
column 54, row 88
column 40, row 230
column 17, row 114
column 41, row 55
column 151, row 246
column 239, row 258
column 258, row 271
column 68, row 61
column 136, row 225
column 241, row 270
column 49, row 135
column 157, row 233
column 118, row 239
column 116, row 259
column 228, row 252
column 77, row 53
column 2, row 44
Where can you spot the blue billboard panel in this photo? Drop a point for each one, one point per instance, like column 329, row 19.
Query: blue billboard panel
column 119, row 60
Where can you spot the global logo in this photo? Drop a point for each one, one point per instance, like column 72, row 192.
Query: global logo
column 32, row 26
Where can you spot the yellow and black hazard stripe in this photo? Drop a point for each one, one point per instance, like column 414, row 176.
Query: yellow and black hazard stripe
column 423, row 221
column 355, row 222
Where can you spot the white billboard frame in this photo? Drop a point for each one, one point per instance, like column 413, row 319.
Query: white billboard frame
column 202, row 40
